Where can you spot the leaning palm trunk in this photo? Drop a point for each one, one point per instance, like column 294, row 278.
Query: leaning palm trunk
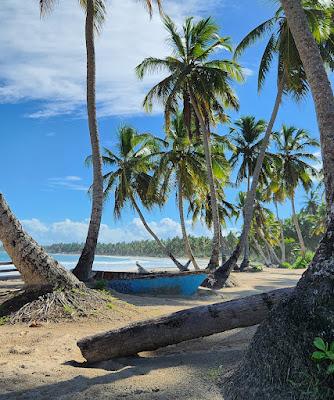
column 320, row 86
column 276, row 362
column 188, row 249
column 222, row 273
column 85, row 263
column 155, row 237
column 214, row 259
column 245, row 261
column 297, row 226
column 282, row 244
column 267, row 262
column 34, row 264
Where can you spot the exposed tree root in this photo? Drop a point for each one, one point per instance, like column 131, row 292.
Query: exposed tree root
column 46, row 305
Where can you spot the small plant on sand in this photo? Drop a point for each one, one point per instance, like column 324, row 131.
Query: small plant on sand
column 111, row 306
column 68, row 309
column 3, row 320
column 100, row 284
column 324, row 355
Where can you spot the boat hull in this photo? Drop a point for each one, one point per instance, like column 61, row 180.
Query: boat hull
column 181, row 284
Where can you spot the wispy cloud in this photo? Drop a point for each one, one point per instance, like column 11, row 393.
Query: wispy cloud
column 45, row 58
column 70, row 182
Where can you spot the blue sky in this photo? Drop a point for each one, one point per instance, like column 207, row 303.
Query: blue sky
column 44, row 134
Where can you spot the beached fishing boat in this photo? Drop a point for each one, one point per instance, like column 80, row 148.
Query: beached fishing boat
column 160, row 283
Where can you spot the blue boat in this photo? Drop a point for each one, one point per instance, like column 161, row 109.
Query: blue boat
column 162, row 283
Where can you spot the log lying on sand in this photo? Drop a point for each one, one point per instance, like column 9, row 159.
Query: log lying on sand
column 180, row 326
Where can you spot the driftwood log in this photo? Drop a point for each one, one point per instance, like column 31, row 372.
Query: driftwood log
column 180, row 326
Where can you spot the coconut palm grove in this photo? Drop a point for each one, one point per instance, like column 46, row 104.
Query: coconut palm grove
column 167, row 217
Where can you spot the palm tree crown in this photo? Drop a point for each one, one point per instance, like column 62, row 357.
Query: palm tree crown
column 246, row 136
column 293, row 151
column 282, row 45
column 191, row 73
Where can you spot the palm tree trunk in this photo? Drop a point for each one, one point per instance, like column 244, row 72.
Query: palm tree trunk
column 320, row 86
column 85, row 263
column 275, row 361
column 283, row 256
column 187, row 246
column 261, row 252
column 34, row 264
column 214, row 259
column 245, row 261
column 222, row 273
column 297, row 226
column 155, row 237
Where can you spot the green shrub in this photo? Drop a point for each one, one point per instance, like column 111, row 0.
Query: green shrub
column 100, row 284
column 286, row 264
column 4, row 320
column 303, row 261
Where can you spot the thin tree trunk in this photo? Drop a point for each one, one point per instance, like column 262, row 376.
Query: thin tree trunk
column 85, row 263
column 283, row 256
column 261, row 252
column 180, row 326
column 155, row 237
column 320, row 87
column 245, row 261
column 187, row 246
column 214, row 259
column 222, row 273
column 271, row 251
column 297, row 226
column 30, row 259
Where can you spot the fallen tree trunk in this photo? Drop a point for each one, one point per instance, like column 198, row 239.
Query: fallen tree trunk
column 181, row 326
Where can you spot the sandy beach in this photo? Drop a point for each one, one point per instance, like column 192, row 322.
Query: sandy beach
column 45, row 363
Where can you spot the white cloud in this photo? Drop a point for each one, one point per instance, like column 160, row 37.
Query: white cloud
column 68, row 231
column 44, row 59
column 68, row 182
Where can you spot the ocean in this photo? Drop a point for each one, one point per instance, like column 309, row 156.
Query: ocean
column 110, row 263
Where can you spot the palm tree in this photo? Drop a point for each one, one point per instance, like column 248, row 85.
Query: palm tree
column 246, row 137
column 202, row 84
column 95, row 16
column 292, row 148
column 275, row 192
column 312, row 202
column 130, row 179
column 182, row 164
column 291, row 79
column 275, row 356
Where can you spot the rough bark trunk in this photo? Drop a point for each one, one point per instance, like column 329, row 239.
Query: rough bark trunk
column 297, row 226
column 34, row 264
column 214, row 259
column 155, row 237
column 222, row 273
column 180, row 326
column 320, row 87
column 187, row 246
column 276, row 363
column 85, row 263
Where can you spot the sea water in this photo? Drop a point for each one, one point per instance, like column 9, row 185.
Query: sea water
column 109, row 263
